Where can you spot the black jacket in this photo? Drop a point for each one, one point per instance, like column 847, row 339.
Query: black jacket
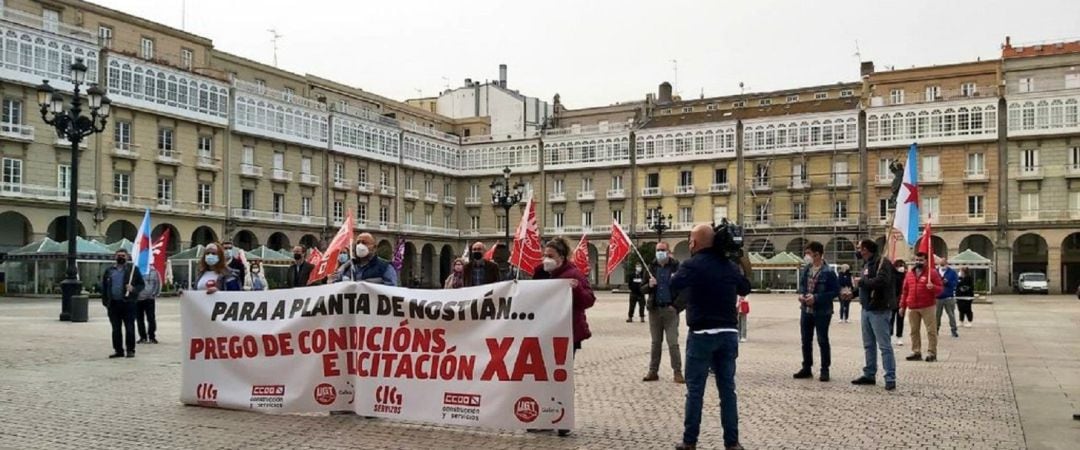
column 137, row 284
column 296, row 278
column 238, row 268
column 877, row 288
column 710, row 285
column 637, row 287
column 491, row 273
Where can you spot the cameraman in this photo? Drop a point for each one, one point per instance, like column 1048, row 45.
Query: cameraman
column 711, row 284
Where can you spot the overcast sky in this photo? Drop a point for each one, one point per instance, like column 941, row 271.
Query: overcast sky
column 598, row 52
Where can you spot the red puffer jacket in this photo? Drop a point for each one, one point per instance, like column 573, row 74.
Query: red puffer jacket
column 915, row 294
column 583, row 297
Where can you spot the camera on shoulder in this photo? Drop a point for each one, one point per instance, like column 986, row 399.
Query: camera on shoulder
column 727, row 240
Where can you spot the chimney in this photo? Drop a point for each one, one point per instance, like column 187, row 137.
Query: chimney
column 866, row 68
column 664, row 96
column 468, row 82
column 502, row 76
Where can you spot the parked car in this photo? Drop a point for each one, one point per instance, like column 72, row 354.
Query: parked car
column 1032, row 282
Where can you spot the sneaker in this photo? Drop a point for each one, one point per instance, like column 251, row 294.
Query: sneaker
column 564, row 433
column 140, row 341
column 153, row 341
column 805, row 373
column 642, row 320
column 130, row 354
column 678, row 378
column 899, row 342
column 651, row 377
column 824, row 377
column 914, row 356
column 742, row 340
column 955, row 334
column 116, row 355
column 863, row 381
column 630, row 320
column 967, row 324
column 734, row 447
column 890, row 386
column 931, row 358
column 685, row 446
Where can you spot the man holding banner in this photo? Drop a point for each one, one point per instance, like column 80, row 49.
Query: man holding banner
column 369, row 267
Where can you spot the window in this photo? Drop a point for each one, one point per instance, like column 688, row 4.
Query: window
column 206, row 147
column 408, row 182
column 261, row 84
column 249, row 155
column 122, row 186
column 105, row 35
column 586, row 184
column 976, row 164
column 738, row 104
column 361, row 175
column 884, row 175
column 428, row 218
column 616, row 182
column 840, row 210
column 12, row 175
column 586, row 219
column 798, row 175
column 1029, row 161
column 50, row 20
column 1074, row 158
column 147, row 48
column 975, row 206
column 720, row 176
column 798, row 212
column 968, row 90
column 247, row 199
column 844, row 93
column 1029, row 203
column 305, row 206
column 930, row 207
column 122, row 135
column 448, row 188
column 187, row 58
column 710, row 107
column 761, row 213
column 279, row 161
column 616, row 215
column 665, row 112
column 474, row 222
column 652, row 180
column 930, row 169
column 559, row 220
column 688, row 109
column 1027, row 84
column 792, row 98
column 557, row 186
column 840, row 173
column 165, row 141
column 933, row 93
column 339, row 211
column 279, row 203
column 885, row 206
column 289, row 93
column 305, row 165
column 474, row 191
column 686, row 215
column 896, row 96
column 361, row 213
column 165, row 192
column 686, row 178
column 203, row 195
column 63, row 179
column 765, row 102
column 1072, row 80
column 761, row 175
column 821, row 95
column 339, row 172
column 384, row 179
column 719, row 213
column 384, row 215
column 12, row 114
column 429, row 186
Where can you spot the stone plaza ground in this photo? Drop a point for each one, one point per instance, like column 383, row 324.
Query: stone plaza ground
column 1011, row 382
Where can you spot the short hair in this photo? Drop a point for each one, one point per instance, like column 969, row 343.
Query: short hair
column 869, row 245
column 920, row 254
column 664, row 243
column 122, row 250
column 560, row 246
column 816, row 247
column 227, row 243
column 899, row 263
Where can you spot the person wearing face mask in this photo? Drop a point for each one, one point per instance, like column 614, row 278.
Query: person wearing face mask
column 480, row 271
column 344, row 268
column 946, row 300
column 258, row 279
column 965, row 296
column 818, row 287
column 145, row 307
column 299, row 270
column 368, row 267
column 233, row 262
column 896, row 322
column 635, row 281
column 120, row 288
column 877, row 295
column 456, row 279
column 214, row 275
column 556, row 265
column 663, row 315
column 922, row 285
column 847, row 292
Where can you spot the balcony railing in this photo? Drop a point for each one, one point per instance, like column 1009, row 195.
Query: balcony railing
column 126, row 150
column 251, row 170
column 281, row 175
column 839, row 181
column 171, row 157
column 577, row 229
column 1072, row 170
column 1030, row 172
column 449, row 200
column 929, row 177
column 365, row 187
column 589, row 129
column 682, row 226
column 720, row 188
column 428, row 229
column 64, row 143
column 910, row 97
column 287, row 97
column 16, row 132
column 684, row 190
column 472, row 201
column 431, row 197
column 762, row 185
column 884, row 180
column 1043, row 215
column 341, row 183
column 388, row 191
column 207, row 162
column 48, row 193
column 586, row 196
column 255, row 214
column 308, row 179
column 387, row 226
column 412, row 194
column 616, row 194
column 651, row 192
column 557, row 197
column 798, row 185
column 976, row 175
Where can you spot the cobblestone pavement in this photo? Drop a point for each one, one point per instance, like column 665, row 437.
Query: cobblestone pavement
column 58, row 390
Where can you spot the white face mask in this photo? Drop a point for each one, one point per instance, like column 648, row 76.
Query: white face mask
column 362, row 251
column 549, row 264
column 806, row 259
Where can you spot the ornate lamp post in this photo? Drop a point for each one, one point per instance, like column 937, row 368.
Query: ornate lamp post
column 505, row 196
column 73, row 127
column 657, row 223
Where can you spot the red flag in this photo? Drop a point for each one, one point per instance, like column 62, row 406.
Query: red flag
column 581, row 255
column 328, row 262
column 489, row 255
column 527, row 253
column 157, row 253
column 315, row 257
column 618, row 248
column 926, row 245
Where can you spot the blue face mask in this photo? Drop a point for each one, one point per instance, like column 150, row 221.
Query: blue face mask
column 661, row 255
column 342, row 258
column 211, row 259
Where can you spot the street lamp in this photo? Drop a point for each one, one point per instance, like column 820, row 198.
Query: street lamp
column 505, row 196
column 657, row 223
column 73, row 127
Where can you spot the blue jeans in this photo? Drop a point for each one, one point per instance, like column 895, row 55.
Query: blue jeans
column 719, row 352
column 876, row 330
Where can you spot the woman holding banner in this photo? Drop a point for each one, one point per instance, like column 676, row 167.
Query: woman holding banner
column 213, row 274
column 457, row 277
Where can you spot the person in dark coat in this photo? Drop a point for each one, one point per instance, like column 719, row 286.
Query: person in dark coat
column 120, row 288
column 299, row 270
column 480, row 271
column 818, row 287
column 233, row 262
column 635, row 282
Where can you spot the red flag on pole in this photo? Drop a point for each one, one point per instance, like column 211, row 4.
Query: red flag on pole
column 527, row 253
column 157, row 253
column 581, row 255
column 926, row 245
column 618, row 248
column 328, row 262
column 489, row 255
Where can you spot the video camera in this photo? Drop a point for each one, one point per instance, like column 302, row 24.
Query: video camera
column 728, row 240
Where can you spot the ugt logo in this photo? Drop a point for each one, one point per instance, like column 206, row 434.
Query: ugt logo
column 206, row 393
column 388, row 400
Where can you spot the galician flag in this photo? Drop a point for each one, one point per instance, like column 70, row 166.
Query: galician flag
column 141, row 249
column 907, row 200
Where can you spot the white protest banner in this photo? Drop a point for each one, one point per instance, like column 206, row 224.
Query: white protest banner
column 499, row 355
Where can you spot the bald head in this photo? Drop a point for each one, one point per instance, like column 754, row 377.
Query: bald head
column 478, row 247
column 366, row 239
column 701, row 238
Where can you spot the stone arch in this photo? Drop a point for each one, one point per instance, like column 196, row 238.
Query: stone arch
column 1070, row 263
column 278, row 241
column 979, row 244
column 1030, row 254
column 408, row 268
column 762, row 246
column 17, row 231
column 58, row 229
column 203, row 235
column 384, row 250
column 797, row 245
column 309, row 241
column 446, row 262
column 174, row 234
column 840, row 250
column 246, row 240
column 427, row 266
column 120, row 229
column 936, row 243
